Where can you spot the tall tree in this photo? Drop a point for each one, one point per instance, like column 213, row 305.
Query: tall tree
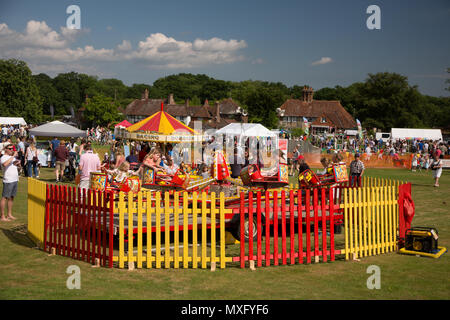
column 262, row 104
column 101, row 110
column 19, row 94
column 50, row 96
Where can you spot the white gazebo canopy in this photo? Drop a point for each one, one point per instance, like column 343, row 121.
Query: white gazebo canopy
column 246, row 130
column 12, row 121
column 406, row 133
column 57, row 129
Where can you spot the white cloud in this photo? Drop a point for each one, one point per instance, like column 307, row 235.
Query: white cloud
column 109, row 28
column 124, row 46
column 39, row 45
column 36, row 34
column 216, row 44
column 158, row 50
column 323, row 60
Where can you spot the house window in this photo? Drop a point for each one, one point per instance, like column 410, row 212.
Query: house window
column 323, row 120
column 290, row 119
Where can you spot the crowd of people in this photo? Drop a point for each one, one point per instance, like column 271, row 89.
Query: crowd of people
column 99, row 134
column 75, row 159
column 372, row 146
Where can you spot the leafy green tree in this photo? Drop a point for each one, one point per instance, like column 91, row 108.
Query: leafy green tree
column 296, row 92
column 215, row 90
column 297, row 132
column 50, row 96
column 262, row 105
column 101, row 110
column 136, row 90
column 113, row 88
column 19, row 94
column 388, row 98
column 69, row 89
column 73, row 88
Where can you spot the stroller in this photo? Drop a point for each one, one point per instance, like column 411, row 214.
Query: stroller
column 70, row 171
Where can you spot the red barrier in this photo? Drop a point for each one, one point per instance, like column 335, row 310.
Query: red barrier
column 406, row 211
column 320, row 214
column 77, row 223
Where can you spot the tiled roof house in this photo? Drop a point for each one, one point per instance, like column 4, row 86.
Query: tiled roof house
column 322, row 115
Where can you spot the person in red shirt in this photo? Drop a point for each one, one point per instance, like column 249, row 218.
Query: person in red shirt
column 61, row 155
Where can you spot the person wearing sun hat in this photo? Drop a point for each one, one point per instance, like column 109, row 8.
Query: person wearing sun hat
column 301, row 164
column 9, row 164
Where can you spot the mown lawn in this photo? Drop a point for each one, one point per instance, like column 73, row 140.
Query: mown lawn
column 28, row 273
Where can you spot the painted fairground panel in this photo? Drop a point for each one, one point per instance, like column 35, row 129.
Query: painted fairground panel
column 340, row 173
column 98, row 181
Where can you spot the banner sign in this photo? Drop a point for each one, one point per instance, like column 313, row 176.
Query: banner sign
column 283, row 147
column 173, row 138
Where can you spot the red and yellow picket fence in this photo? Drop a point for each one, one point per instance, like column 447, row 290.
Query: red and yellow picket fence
column 189, row 230
column 149, row 215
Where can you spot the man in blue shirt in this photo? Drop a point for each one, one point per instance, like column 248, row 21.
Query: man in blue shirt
column 421, row 146
column 54, row 144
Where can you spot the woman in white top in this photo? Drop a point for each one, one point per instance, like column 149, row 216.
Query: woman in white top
column 31, row 158
column 436, row 166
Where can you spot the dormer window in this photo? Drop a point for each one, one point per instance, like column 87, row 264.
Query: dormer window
column 323, row 120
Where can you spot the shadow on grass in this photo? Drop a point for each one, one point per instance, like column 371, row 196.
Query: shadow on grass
column 18, row 235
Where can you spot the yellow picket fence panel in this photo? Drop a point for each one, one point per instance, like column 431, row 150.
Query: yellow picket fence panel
column 370, row 220
column 161, row 210
column 36, row 210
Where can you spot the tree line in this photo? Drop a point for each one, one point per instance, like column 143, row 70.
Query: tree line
column 383, row 100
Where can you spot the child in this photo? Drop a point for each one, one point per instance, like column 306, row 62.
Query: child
column 170, row 167
column 326, row 164
column 205, row 172
column 105, row 162
column 427, row 162
column 414, row 163
column 121, row 173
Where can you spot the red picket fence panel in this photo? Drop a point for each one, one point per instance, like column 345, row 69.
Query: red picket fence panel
column 77, row 223
column 314, row 210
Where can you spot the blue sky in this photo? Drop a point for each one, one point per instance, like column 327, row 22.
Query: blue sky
column 141, row 41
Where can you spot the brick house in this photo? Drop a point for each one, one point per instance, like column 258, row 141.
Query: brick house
column 322, row 115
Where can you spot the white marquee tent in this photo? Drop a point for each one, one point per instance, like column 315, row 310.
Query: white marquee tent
column 246, row 130
column 425, row 134
column 57, row 129
column 12, row 121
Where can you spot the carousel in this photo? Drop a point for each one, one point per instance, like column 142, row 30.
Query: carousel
column 164, row 130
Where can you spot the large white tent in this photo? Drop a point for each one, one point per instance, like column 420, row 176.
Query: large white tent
column 423, row 134
column 57, row 129
column 12, row 121
column 246, row 130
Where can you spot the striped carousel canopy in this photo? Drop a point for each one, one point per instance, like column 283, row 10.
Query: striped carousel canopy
column 161, row 123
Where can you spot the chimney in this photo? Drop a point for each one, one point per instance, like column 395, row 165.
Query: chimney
column 171, row 101
column 145, row 94
column 308, row 93
column 217, row 112
column 187, row 102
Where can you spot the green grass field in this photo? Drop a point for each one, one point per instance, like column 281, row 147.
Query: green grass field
column 28, row 273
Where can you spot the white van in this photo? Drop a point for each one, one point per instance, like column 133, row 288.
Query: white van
column 385, row 136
